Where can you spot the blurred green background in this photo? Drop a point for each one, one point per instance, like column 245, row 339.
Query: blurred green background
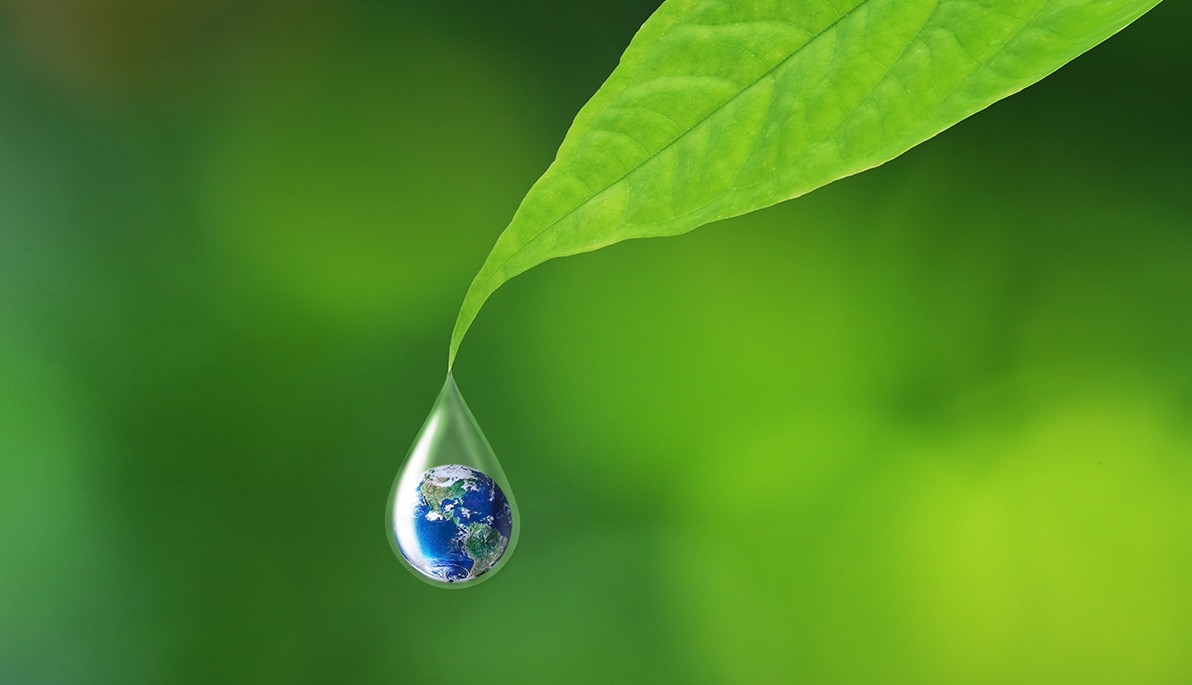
column 928, row 425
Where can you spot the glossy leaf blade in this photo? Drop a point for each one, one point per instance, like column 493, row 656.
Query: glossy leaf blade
column 722, row 107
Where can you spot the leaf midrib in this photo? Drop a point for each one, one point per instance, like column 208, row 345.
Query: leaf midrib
column 761, row 77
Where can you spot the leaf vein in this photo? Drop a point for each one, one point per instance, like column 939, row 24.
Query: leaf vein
column 825, row 31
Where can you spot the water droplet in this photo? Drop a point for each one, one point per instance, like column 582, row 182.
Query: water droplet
column 451, row 517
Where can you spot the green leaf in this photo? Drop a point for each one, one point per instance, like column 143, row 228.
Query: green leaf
column 721, row 107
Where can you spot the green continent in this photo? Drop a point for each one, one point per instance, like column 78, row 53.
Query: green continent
column 484, row 544
column 435, row 494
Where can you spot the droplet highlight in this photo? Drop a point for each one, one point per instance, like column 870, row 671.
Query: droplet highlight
column 451, row 517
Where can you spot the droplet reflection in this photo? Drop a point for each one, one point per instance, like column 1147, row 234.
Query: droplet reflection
column 452, row 518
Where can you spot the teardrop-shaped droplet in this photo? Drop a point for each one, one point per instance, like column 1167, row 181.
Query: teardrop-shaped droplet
column 451, row 517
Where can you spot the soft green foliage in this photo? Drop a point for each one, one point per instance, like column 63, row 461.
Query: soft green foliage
column 720, row 108
column 229, row 248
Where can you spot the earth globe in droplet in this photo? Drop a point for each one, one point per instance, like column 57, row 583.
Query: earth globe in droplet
column 459, row 526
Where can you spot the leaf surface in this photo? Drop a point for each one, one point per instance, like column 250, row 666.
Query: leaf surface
column 722, row 107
